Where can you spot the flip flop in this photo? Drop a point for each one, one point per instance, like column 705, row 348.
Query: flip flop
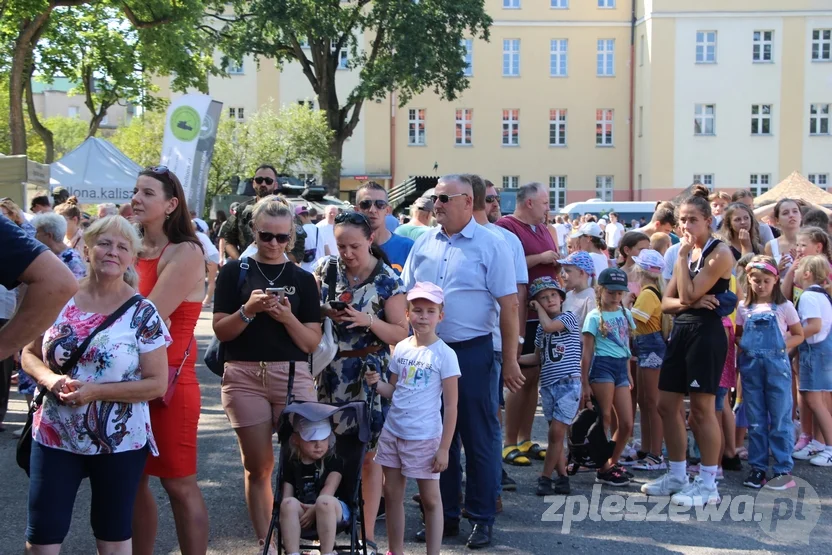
column 513, row 456
column 532, row 450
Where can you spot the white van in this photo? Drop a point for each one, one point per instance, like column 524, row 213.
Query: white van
column 627, row 211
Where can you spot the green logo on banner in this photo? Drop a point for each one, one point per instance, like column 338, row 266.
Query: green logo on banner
column 185, row 123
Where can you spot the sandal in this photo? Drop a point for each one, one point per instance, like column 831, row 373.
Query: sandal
column 513, row 456
column 372, row 548
column 533, row 450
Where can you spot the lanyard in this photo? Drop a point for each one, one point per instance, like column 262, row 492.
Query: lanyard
column 701, row 256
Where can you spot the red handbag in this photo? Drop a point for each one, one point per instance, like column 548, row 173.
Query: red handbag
column 173, row 377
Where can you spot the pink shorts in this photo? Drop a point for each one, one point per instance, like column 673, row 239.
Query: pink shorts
column 413, row 456
column 255, row 392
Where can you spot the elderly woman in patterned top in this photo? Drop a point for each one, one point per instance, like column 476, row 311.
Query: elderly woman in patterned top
column 94, row 421
column 50, row 229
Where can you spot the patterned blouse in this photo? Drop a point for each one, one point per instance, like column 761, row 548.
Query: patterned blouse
column 74, row 262
column 100, row 427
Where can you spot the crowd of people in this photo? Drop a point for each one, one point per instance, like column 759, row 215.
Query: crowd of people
column 432, row 321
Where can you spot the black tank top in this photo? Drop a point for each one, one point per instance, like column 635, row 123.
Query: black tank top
column 722, row 285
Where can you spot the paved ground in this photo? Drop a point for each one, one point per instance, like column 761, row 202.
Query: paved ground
column 609, row 522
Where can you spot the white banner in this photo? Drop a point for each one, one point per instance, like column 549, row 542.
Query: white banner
column 190, row 132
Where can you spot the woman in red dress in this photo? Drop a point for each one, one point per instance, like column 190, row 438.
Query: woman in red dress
column 171, row 274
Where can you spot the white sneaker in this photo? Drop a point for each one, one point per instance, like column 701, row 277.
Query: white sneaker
column 696, row 495
column 664, row 486
column 813, row 448
column 824, row 458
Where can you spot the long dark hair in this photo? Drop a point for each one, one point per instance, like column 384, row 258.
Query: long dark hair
column 359, row 220
column 178, row 226
column 727, row 233
column 628, row 241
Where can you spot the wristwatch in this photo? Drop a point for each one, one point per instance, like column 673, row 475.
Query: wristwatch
column 521, row 340
column 243, row 316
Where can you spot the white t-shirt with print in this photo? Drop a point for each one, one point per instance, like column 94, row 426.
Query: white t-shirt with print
column 815, row 305
column 414, row 409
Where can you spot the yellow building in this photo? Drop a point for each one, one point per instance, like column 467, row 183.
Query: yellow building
column 623, row 100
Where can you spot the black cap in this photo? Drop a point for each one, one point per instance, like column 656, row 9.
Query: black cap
column 613, row 279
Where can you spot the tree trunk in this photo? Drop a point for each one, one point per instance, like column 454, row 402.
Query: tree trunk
column 44, row 133
column 332, row 174
column 24, row 45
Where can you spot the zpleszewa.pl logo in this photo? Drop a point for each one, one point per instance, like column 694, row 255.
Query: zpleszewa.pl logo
column 788, row 516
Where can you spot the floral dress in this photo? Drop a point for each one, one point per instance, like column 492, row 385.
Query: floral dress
column 100, row 427
column 343, row 379
column 74, row 262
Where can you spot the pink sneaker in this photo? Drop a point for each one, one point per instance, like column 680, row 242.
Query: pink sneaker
column 802, row 442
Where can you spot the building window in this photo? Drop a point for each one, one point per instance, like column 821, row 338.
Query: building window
column 306, row 176
column 759, row 183
column 234, row 68
column 706, row 179
column 557, row 192
column 416, row 126
column 558, row 64
column 603, row 127
column 606, row 3
column 511, row 127
column 761, row 51
column 511, row 4
column 559, row 4
column 557, row 127
column 237, row 114
column 343, row 59
column 511, row 182
column 821, row 45
column 463, row 127
column 603, row 187
column 640, row 121
column 104, row 121
column 819, row 179
column 606, row 57
column 819, row 119
column 703, row 119
column 641, row 51
column 511, row 57
column 761, row 119
column 73, row 111
column 706, row 47
column 468, row 57
column 308, row 103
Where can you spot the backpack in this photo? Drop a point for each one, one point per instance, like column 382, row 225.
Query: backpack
column 667, row 319
column 214, row 357
column 589, row 445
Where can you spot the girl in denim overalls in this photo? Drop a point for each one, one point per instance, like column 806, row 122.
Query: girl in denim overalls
column 763, row 320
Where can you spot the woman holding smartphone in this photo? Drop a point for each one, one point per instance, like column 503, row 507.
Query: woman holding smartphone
column 271, row 319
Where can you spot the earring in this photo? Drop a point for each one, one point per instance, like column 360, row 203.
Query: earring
column 167, row 216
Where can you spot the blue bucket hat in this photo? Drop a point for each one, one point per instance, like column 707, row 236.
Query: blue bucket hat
column 543, row 283
column 582, row 260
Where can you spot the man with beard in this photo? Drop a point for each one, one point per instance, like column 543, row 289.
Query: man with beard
column 371, row 200
column 237, row 231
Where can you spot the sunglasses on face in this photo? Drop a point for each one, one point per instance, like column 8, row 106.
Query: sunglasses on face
column 367, row 204
column 267, row 237
column 492, row 198
column 444, row 199
column 260, row 180
column 354, row 218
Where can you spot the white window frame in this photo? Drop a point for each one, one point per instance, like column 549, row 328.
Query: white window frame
column 702, row 117
column 822, row 45
column 606, row 4
column 819, row 179
column 303, row 176
column 558, row 126
column 706, row 179
column 234, row 68
column 237, row 113
column 759, row 183
column 605, row 58
column 759, row 41
column 468, row 57
column 559, row 58
column 604, row 187
column 559, row 4
column 511, row 182
column 464, row 127
column 511, row 57
column 416, row 127
column 511, row 4
column 511, row 127
column 557, row 192
column 73, row 112
column 343, row 59
column 819, row 115
column 604, row 117
column 761, row 116
column 706, row 41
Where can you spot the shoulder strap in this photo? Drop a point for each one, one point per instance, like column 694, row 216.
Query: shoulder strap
column 655, row 291
column 714, row 244
column 331, row 277
column 241, row 279
column 816, row 289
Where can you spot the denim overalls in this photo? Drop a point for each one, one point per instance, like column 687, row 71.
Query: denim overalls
column 767, row 391
column 816, row 359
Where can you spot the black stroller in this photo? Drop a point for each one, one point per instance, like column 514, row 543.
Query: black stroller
column 352, row 467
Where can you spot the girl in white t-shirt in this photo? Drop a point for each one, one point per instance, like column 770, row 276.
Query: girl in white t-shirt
column 815, row 311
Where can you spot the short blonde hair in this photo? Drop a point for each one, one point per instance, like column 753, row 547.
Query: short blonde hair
column 121, row 226
column 817, row 265
column 275, row 206
column 660, row 241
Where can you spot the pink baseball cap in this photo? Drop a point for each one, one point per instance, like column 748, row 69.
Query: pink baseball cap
column 301, row 210
column 426, row 290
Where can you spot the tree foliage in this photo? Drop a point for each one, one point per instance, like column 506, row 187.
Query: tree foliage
column 395, row 45
column 141, row 140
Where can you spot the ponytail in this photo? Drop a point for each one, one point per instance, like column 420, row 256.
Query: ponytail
column 376, row 251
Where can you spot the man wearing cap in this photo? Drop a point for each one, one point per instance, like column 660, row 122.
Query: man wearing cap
column 528, row 223
column 591, row 239
column 59, row 196
column 371, row 200
column 614, row 232
column 327, row 227
column 468, row 262
column 419, row 219
column 313, row 246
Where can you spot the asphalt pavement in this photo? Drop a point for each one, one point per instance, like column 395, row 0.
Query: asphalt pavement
column 592, row 520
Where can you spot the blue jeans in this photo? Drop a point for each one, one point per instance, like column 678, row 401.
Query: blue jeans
column 766, row 393
column 478, row 431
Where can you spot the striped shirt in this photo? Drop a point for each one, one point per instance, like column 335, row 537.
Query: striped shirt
column 560, row 352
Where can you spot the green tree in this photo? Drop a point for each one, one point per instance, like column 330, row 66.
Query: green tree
column 410, row 47
column 141, row 140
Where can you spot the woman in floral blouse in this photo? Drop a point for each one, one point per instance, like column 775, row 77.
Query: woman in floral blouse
column 50, row 229
column 373, row 319
column 94, row 421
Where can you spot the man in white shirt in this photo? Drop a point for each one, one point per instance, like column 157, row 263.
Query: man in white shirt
column 613, row 232
column 327, row 230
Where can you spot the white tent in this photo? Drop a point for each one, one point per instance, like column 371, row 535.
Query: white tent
column 96, row 172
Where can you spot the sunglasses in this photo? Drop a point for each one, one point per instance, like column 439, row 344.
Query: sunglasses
column 492, row 198
column 260, row 180
column 267, row 237
column 367, row 204
column 354, row 218
column 444, row 199
column 158, row 170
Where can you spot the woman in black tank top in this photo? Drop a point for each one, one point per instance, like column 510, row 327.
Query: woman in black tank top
column 695, row 355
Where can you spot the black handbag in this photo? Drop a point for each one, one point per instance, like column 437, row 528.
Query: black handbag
column 214, row 357
column 24, row 444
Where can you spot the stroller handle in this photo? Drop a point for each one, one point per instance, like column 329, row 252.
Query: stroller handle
column 290, row 397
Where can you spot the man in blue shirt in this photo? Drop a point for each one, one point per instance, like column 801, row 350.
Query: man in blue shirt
column 473, row 267
column 371, row 200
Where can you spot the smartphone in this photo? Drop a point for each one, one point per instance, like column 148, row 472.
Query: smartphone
column 338, row 305
column 279, row 291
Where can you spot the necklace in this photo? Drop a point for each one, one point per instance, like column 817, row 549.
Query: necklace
column 356, row 277
column 271, row 281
